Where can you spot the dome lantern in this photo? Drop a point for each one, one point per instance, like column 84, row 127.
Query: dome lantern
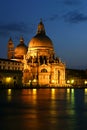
column 41, row 29
column 21, row 40
column 21, row 49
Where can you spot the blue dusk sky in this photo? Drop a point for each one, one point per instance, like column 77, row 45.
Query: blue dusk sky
column 65, row 23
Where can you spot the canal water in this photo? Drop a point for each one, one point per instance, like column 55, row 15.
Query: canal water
column 43, row 109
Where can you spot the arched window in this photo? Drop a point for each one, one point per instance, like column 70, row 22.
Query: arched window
column 58, row 76
column 26, row 70
column 44, row 70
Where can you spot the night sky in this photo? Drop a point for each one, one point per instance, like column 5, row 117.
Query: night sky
column 65, row 23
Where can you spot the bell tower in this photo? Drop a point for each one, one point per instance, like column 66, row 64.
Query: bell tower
column 10, row 53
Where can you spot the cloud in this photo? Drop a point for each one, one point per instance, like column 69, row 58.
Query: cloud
column 71, row 2
column 52, row 17
column 75, row 17
column 7, row 29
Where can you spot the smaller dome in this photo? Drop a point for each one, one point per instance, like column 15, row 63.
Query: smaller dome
column 21, row 49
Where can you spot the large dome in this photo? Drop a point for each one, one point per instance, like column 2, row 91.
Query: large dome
column 21, row 49
column 40, row 40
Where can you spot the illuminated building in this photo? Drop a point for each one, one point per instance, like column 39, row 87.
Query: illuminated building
column 10, row 73
column 41, row 67
column 76, row 77
column 37, row 62
column 18, row 52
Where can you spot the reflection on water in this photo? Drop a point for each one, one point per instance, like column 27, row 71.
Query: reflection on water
column 70, row 95
column 85, row 91
column 39, row 109
column 9, row 95
column 53, row 111
column 71, row 101
column 85, row 95
column 53, row 93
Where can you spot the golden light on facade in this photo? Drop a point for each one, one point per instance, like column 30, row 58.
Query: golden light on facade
column 34, row 80
column 72, row 81
column 8, row 79
column 53, row 81
column 68, row 81
column 29, row 82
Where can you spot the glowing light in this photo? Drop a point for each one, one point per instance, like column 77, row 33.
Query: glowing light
column 72, row 81
column 68, row 81
column 8, row 79
column 29, row 82
column 52, row 81
column 35, row 80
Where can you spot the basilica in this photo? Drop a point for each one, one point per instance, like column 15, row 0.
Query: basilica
column 37, row 61
column 40, row 64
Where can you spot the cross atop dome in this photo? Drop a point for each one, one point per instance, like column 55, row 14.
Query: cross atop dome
column 41, row 29
column 21, row 40
column 10, row 40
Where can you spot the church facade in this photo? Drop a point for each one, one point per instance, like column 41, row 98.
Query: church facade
column 40, row 65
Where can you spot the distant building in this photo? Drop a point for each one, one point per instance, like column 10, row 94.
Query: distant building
column 76, row 77
column 10, row 72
